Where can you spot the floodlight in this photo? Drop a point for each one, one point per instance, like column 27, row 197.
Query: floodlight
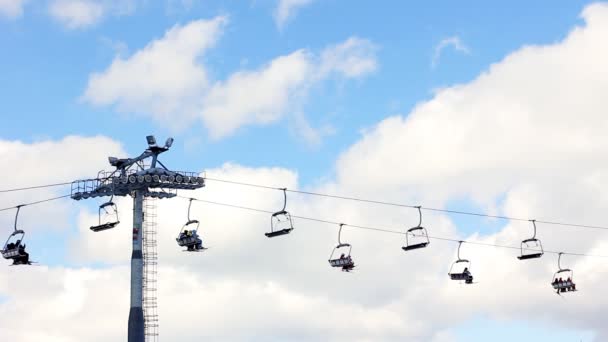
column 113, row 161
column 151, row 140
column 169, row 142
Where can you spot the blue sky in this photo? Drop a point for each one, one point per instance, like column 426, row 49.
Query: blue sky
column 48, row 62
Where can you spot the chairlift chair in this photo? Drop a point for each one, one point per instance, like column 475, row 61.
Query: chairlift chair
column 464, row 266
column 416, row 237
column 14, row 248
column 344, row 261
column 188, row 236
column 108, row 217
column 280, row 222
column 531, row 248
column 566, row 276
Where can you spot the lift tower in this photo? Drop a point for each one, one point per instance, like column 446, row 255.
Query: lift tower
column 133, row 178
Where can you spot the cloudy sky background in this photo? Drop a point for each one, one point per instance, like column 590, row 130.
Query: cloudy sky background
column 482, row 108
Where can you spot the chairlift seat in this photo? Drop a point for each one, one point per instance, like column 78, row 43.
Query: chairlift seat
column 276, row 222
column 188, row 241
column 563, row 285
column 104, row 226
column 15, row 252
column 342, row 262
column 12, row 253
column 411, row 234
column 278, row 232
column 462, row 276
column 415, row 246
column 530, row 256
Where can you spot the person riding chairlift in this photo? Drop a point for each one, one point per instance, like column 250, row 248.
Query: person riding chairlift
column 468, row 277
column 572, row 286
column 562, row 288
column 24, row 256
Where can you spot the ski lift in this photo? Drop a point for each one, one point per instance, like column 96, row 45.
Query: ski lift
column 416, row 237
column 531, row 248
column 345, row 261
column 460, row 269
column 280, row 222
column 14, row 248
column 188, row 236
column 108, row 216
column 563, row 279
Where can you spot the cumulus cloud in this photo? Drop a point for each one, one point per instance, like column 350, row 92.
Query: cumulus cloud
column 165, row 78
column 286, row 9
column 265, row 95
column 12, row 8
column 352, row 58
column 168, row 80
column 47, row 162
column 453, row 42
column 78, row 14
column 259, row 96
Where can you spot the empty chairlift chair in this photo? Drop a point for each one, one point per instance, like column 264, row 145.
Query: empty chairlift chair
column 188, row 236
column 14, row 247
column 461, row 269
column 280, row 222
column 531, row 248
column 416, row 237
column 340, row 255
column 108, row 217
column 563, row 279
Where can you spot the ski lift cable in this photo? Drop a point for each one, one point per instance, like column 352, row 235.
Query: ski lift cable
column 35, row 187
column 33, row 203
column 458, row 212
column 384, row 230
column 448, row 211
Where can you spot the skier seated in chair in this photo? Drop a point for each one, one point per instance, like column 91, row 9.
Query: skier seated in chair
column 468, row 277
column 23, row 258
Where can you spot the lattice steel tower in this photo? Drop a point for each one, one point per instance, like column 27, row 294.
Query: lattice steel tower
column 133, row 178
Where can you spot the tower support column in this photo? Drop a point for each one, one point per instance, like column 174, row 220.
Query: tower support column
column 136, row 313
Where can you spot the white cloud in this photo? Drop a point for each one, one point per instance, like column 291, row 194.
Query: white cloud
column 265, row 95
column 164, row 79
column 78, row 14
column 286, row 10
column 260, row 96
column 353, row 58
column 12, row 8
column 453, row 42
column 47, row 162
column 167, row 80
